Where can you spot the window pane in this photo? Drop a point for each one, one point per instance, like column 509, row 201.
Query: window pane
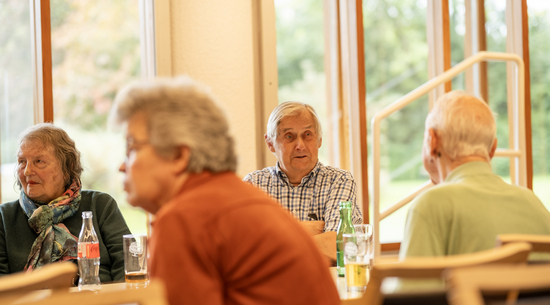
column 539, row 31
column 495, row 26
column 300, row 58
column 457, row 27
column 393, row 28
column 95, row 51
column 16, row 99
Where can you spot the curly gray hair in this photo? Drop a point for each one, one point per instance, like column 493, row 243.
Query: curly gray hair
column 180, row 112
column 64, row 149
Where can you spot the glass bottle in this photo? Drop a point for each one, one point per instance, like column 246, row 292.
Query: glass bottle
column 88, row 255
column 344, row 227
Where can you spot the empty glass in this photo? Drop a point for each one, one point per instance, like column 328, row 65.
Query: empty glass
column 135, row 259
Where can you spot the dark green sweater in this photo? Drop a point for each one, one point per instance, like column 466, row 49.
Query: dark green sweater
column 17, row 237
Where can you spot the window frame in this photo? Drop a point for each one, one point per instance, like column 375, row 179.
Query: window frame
column 155, row 44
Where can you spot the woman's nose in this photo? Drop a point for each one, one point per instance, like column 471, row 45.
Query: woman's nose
column 122, row 167
column 27, row 170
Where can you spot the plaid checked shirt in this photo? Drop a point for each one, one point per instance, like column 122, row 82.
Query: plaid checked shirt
column 320, row 193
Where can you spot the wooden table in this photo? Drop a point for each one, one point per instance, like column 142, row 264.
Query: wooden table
column 110, row 287
column 44, row 293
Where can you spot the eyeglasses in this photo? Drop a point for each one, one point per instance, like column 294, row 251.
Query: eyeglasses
column 134, row 145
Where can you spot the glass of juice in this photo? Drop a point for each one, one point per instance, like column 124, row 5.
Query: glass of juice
column 356, row 261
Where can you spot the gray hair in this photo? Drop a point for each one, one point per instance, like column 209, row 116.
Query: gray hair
column 287, row 109
column 464, row 123
column 180, row 112
column 63, row 146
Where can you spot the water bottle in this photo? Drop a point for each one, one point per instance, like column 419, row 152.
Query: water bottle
column 88, row 255
column 344, row 227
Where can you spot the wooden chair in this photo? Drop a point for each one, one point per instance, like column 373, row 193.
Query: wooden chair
column 433, row 267
column 52, row 276
column 153, row 294
column 539, row 243
column 467, row 285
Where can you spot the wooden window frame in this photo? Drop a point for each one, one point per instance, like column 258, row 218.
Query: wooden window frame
column 155, row 40
column 440, row 61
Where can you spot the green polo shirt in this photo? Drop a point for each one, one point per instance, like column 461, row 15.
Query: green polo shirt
column 467, row 211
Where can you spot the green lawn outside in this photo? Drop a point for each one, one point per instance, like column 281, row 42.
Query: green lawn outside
column 392, row 227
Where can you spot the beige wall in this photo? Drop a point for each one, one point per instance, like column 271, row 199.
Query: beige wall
column 212, row 41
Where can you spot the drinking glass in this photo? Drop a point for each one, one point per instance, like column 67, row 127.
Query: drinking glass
column 368, row 230
column 135, row 259
column 356, row 261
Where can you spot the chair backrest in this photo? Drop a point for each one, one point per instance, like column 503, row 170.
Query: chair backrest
column 153, row 294
column 53, row 276
column 467, row 284
column 433, row 267
column 539, row 243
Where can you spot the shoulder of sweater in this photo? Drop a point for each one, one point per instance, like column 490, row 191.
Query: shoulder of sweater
column 101, row 204
column 92, row 196
column 9, row 206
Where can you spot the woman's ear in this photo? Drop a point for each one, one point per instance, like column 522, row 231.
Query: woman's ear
column 181, row 159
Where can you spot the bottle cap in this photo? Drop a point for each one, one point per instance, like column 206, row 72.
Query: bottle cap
column 87, row 214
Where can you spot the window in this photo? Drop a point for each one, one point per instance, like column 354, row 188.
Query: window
column 95, row 51
column 95, row 47
column 392, row 29
column 300, row 59
column 16, row 93
column 539, row 31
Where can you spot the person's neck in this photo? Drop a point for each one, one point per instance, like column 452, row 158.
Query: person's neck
column 172, row 190
column 296, row 179
column 446, row 165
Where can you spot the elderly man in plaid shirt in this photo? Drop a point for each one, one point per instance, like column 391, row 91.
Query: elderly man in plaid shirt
column 310, row 190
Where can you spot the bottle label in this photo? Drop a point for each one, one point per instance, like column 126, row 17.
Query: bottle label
column 88, row 250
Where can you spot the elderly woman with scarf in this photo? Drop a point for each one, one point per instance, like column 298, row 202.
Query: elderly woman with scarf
column 42, row 227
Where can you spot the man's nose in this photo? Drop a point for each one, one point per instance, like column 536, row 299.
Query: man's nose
column 300, row 143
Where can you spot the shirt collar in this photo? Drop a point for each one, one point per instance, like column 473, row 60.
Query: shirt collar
column 305, row 179
column 469, row 169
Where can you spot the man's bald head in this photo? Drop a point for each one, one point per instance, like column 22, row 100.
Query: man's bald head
column 465, row 125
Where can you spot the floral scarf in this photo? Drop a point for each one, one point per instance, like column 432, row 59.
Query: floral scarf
column 54, row 241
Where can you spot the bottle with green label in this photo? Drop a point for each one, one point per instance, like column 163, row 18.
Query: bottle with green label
column 344, row 227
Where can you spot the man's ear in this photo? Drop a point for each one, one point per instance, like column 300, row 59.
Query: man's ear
column 433, row 141
column 269, row 143
column 493, row 149
column 320, row 142
column 181, row 159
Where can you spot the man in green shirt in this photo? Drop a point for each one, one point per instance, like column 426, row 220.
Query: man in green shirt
column 469, row 206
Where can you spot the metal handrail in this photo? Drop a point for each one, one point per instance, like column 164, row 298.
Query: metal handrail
column 517, row 137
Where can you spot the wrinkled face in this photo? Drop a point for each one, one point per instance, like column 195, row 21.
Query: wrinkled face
column 297, row 145
column 39, row 171
column 145, row 171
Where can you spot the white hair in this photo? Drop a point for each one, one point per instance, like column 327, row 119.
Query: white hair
column 180, row 112
column 464, row 123
column 287, row 109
